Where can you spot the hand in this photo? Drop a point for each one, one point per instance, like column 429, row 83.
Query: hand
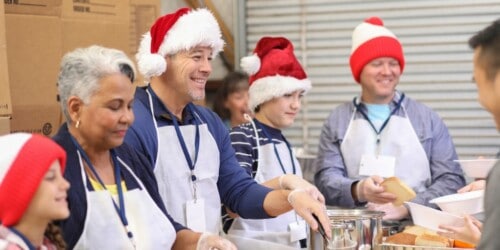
column 391, row 212
column 470, row 232
column 210, row 241
column 370, row 190
column 473, row 186
column 305, row 205
column 292, row 182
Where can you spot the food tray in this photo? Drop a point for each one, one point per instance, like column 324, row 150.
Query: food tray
column 388, row 246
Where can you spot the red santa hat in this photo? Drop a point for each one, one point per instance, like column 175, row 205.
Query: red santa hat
column 274, row 71
column 371, row 40
column 182, row 30
column 24, row 161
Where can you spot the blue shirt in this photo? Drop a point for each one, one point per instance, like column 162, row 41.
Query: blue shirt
column 331, row 176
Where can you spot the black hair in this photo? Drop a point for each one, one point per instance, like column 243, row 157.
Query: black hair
column 488, row 40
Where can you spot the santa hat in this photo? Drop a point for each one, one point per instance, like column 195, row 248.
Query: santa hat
column 174, row 32
column 371, row 40
column 24, row 161
column 274, row 71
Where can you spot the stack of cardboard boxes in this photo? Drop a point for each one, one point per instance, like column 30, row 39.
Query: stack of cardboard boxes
column 39, row 32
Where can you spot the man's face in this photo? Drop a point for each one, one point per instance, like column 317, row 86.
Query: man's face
column 488, row 90
column 189, row 71
column 378, row 80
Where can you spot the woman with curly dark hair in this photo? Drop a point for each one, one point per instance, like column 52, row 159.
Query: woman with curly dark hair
column 231, row 99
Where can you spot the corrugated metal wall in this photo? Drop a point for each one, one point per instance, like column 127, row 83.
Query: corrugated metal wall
column 438, row 68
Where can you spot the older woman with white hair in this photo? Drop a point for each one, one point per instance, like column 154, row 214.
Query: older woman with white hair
column 114, row 200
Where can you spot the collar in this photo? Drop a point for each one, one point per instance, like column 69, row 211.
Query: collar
column 160, row 110
column 392, row 104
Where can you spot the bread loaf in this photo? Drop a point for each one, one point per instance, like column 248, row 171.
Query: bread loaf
column 401, row 239
column 395, row 186
column 430, row 240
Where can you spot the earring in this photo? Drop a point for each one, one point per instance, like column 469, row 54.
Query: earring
column 77, row 124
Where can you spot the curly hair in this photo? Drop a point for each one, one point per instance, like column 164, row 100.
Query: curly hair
column 54, row 234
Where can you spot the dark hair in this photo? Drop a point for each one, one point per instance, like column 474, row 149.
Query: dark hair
column 54, row 234
column 488, row 40
column 233, row 82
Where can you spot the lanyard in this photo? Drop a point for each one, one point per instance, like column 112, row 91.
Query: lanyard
column 120, row 209
column 275, row 149
column 358, row 107
column 23, row 238
column 190, row 163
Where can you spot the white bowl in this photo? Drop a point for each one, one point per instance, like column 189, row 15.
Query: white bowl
column 477, row 168
column 464, row 203
column 431, row 218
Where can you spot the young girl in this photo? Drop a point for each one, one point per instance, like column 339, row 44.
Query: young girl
column 276, row 89
column 32, row 192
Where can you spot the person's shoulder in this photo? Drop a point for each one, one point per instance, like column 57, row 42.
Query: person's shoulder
column 411, row 103
column 245, row 128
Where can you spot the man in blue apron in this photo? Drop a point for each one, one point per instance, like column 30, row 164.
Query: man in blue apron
column 383, row 133
column 189, row 145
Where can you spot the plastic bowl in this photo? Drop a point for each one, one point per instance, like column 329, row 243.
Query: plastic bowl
column 477, row 168
column 464, row 203
column 431, row 218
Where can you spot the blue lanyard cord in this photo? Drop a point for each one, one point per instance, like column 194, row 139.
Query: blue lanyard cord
column 358, row 107
column 276, row 150
column 190, row 163
column 120, row 209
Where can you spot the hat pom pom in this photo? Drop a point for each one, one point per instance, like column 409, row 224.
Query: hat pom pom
column 152, row 65
column 250, row 64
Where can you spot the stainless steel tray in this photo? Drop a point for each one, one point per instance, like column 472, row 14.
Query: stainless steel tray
column 388, row 246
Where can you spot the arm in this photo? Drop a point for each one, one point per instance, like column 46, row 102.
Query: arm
column 446, row 174
column 331, row 176
column 187, row 239
column 491, row 226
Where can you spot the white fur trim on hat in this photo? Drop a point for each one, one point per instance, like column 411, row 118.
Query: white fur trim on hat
column 267, row 88
column 197, row 27
column 10, row 146
column 149, row 65
column 250, row 64
column 367, row 31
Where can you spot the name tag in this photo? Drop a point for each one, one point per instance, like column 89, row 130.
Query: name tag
column 195, row 215
column 298, row 230
column 380, row 165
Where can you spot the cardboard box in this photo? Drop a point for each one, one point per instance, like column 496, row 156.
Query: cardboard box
column 4, row 125
column 5, row 102
column 40, row 32
column 143, row 14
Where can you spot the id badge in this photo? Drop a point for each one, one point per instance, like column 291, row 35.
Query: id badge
column 195, row 215
column 298, row 230
column 380, row 165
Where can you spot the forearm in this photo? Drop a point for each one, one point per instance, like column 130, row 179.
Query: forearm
column 186, row 239
column 443, row 185
column 276, row 202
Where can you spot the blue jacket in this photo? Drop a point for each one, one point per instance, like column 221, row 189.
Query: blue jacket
column 72, row 227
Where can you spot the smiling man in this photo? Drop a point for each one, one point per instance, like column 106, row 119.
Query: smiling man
column 189, row 145
column 383, row 133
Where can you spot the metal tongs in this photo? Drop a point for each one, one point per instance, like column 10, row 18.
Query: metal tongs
column 321, row 230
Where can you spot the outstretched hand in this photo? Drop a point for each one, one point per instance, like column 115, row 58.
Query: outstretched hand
column 305, row 205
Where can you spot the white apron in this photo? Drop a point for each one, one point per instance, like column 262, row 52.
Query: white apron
column 397, row 139
column 174, row 176
column 104, row 230
column 272, row 233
